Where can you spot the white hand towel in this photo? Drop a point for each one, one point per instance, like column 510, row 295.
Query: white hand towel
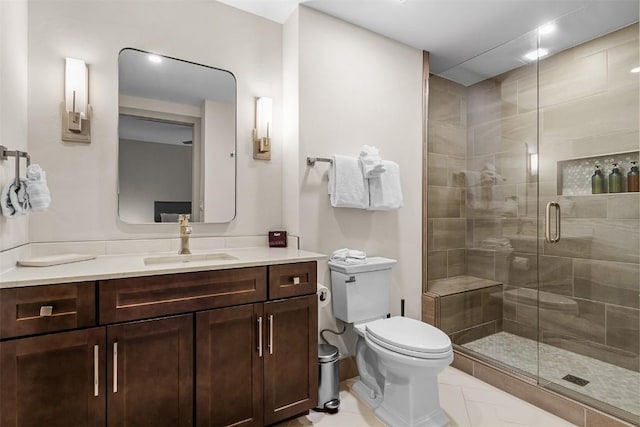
column 5, row 202
column 474, row 189
column 371, row 162
column 19, row 198
column 14, row 200
column 386, row 191
column 347, row 186
column 37, row 189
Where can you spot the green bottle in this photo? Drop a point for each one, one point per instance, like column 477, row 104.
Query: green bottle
column 597, row 181
column 632, row 178
column 615, row 180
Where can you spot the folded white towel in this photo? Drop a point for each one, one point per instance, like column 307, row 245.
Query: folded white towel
column 348, row 253
column 347, row 186
column 370, row 162
column 348, row 256
column 386, row 191
column 37, row 189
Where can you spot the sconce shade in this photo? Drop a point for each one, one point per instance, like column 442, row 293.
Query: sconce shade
column 264, row 117
column 76, row 111
column 263, row 129
column 76, row 81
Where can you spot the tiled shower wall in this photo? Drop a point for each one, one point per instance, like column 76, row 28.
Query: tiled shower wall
column 588, row 107
column 446, row 159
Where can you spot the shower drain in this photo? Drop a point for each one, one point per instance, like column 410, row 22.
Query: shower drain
column 575, row 380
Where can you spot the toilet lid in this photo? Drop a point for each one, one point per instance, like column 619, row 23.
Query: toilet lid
column 409, row 334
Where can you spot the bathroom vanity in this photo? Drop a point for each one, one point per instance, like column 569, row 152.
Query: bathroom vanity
column 211, row 344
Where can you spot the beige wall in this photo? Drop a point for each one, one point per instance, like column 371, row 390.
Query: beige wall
column 13, row 107
column 218, row 135
column 355, row 88
column 82, row 177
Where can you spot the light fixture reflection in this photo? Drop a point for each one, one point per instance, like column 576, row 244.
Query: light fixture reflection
column 156, row 59
column 533, row 163
column 635, row 70
column 539, row 53
column 547, row 28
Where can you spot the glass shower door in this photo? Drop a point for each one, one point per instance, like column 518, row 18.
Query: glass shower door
column 589, row 244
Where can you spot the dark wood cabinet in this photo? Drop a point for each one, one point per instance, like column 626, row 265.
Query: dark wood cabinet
column 229, row 366
column 233, row 352
column 290, row 362
column 154, row 296
column 53, row 380
column 256, row 364
column 292, row 280
column 50, row 308
column 150, row 372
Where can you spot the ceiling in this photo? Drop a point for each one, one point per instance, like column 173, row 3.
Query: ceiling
column 453, row 31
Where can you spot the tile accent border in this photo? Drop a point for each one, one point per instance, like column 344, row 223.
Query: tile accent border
column 526, row 389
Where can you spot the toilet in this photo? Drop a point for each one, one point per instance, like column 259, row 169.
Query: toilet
column 398, row 358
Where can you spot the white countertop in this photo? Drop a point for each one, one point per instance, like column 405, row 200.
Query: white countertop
column 132, row 265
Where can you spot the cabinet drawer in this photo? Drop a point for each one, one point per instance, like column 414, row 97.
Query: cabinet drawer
column 290, row 280
column 50, row 308
column 154, row 296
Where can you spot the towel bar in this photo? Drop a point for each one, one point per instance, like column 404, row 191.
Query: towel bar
column 311, row 161
column 5, row 153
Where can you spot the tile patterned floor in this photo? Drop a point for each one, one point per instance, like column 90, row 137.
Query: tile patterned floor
column 608, row 383
column 467, row 401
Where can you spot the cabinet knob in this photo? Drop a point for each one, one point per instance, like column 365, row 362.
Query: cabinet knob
column 296, row 280
column 46, row 310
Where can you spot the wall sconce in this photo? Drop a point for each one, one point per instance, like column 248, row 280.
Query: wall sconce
column 76, row 111
column 263, row 129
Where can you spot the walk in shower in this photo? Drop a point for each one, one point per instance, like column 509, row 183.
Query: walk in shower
column 531, row 270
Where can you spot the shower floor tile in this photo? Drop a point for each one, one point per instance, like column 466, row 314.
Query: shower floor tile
column 608, row 383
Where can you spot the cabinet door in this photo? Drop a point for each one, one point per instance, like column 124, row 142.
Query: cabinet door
column 150, row 373
column 290, row 364
column 53, row 380
column 229, row 366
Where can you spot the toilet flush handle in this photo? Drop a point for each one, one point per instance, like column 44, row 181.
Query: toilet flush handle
column 351, row 279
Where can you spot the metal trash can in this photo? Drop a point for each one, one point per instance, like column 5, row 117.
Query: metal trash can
column 329, row 377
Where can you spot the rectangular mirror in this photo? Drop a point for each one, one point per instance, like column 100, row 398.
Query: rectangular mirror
column 177, row 140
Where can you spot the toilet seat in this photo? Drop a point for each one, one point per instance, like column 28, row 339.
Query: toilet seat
column 409, row 337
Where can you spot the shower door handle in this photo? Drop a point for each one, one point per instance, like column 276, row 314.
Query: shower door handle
column 547, row 222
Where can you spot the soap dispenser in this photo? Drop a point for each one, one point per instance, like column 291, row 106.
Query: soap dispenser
column 615, row 180
column 597, row 181
column 632, row 178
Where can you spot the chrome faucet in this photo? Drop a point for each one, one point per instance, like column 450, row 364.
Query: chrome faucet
column 185, row 232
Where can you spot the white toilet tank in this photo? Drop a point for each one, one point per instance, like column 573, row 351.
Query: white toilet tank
column 361, row 292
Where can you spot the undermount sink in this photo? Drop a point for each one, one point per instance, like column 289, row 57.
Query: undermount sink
column 177, row 259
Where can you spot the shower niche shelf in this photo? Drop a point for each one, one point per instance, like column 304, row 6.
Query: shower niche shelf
column 574, row 175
